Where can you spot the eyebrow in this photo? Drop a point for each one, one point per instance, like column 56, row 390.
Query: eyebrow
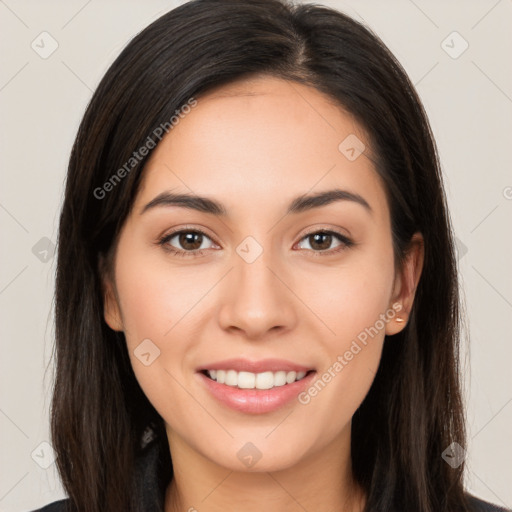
column 298, row 205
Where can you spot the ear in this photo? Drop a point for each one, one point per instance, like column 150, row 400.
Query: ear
column 405, row 285
column 111, row 309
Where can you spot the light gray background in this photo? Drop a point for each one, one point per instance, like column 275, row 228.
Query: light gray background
column 468, row 99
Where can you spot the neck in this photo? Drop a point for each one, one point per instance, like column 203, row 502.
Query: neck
column 320, row 481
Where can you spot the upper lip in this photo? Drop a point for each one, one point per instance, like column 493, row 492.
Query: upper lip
column 263, row 365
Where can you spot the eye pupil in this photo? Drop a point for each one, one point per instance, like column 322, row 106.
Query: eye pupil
column 319, row 245
column 188, row 240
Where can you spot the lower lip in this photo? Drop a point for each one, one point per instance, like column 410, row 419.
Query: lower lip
column 256, row 401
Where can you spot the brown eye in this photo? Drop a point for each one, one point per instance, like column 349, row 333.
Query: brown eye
column 189, row 242
column 321, row 241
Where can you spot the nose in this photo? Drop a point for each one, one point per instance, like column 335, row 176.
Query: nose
column 257, row 299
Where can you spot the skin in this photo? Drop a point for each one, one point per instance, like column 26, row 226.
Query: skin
column 254, row 146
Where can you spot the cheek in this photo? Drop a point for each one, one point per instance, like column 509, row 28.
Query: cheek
column 351, row 296
column 148, row 304
column 154, row 296
column 152, row 304
column 354, row 304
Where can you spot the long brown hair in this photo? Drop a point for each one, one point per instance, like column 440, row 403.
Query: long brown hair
column 413, row 410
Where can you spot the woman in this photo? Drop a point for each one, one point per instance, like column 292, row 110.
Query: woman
column 256, row 297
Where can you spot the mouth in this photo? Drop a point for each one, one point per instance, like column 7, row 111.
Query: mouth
column 250, row 380
column 255, row 393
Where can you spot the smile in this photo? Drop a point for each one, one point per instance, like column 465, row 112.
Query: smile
column 251, row 399
column 249, row 380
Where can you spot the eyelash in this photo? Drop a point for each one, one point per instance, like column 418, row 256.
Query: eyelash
column 163, row 241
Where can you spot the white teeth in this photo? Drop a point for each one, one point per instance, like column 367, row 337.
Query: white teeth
column 248, row 380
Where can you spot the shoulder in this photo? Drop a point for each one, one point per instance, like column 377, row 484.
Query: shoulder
column 57, row 506
column 478, row 505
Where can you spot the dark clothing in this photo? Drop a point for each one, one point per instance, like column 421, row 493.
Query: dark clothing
column 151, row 496
column 478, row 506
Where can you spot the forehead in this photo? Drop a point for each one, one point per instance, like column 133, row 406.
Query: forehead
column 252, row 142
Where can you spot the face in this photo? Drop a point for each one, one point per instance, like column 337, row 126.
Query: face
column 313, row 286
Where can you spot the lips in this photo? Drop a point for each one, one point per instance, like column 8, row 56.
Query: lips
column 263, row 365
column 255, row 401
